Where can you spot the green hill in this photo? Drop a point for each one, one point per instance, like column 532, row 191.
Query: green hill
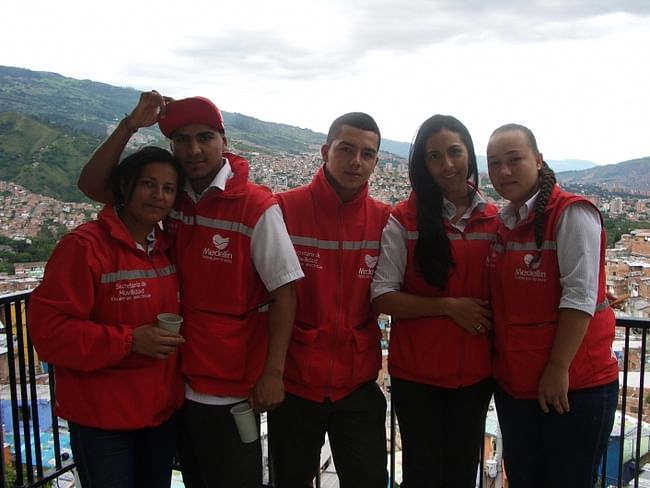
column 90, row 106
column 79, row 104
column 45, row 159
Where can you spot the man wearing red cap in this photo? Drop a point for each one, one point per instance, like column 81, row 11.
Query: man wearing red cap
column 237, row 267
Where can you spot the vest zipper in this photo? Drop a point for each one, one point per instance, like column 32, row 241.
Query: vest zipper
column 338, row 304
column 461, row 355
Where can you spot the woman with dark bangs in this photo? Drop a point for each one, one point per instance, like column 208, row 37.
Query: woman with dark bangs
column 93, row 317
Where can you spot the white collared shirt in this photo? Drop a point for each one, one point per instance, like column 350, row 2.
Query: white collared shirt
column 578, row 250
column 449, row 211
column 273, row 256
column 218, row 182
column 391, row 266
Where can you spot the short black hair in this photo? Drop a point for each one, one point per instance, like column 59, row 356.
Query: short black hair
column 358, row 120
column 129, row 169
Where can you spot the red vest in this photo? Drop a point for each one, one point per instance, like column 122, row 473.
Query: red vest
column 335, row 345
column 225, row 337
column 97, row 288
column 435, row 350
column 526, row 297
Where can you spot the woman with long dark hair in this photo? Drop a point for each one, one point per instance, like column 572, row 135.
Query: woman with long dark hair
column 431, row 279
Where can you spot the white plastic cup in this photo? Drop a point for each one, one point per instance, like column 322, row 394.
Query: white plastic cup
column 246, row 422
column 170, row 321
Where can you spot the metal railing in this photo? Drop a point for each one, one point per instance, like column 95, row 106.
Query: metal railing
column 26, row 457
column 21, row 393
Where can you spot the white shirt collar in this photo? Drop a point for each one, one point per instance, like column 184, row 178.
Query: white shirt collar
column 151, row 242
column 219, row 182
column 511, row 216
column 449, row 209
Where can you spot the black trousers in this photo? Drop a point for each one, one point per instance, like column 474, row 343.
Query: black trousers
column 211, row 452
column 356, row 427
column 442, row 432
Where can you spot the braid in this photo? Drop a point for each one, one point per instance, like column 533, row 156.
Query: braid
column 546, row 185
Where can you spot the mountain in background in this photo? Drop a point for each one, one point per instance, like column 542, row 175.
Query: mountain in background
column 561, row 165
column 90, row 106
column 50, row 124
column 556, row 165
column 628, row 175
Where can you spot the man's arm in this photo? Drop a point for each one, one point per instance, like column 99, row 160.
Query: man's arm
column 94, row 180
column 268, row 392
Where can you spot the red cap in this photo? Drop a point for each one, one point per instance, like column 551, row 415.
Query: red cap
column 194, row 110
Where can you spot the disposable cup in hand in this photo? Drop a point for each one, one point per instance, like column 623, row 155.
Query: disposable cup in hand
column 246, row 422
column 170, row 322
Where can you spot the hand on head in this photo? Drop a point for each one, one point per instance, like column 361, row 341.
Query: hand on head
column 150, row 108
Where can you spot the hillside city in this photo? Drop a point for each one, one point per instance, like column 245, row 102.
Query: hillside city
column 23, row 214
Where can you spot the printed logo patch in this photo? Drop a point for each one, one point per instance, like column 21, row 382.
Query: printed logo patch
column 529, row 261
column 371, row 261
column 129, row 291
column 219, row 253
column 531, row 271
column 220, row 242
column 309, row 258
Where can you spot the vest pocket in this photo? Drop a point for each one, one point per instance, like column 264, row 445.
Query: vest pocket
column 300, row 355
column 226, row 356
column 366, row 357
column 527, row 349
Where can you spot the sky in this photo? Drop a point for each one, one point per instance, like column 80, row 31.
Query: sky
column 576, row 72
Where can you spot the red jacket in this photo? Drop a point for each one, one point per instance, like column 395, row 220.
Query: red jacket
column 225, row 346
column 97, row 288
column 335, row 346
column 435, row 350
column 526, row 298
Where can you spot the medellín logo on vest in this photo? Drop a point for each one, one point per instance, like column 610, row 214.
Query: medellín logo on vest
column 371, row 262
column 531, row 272
column 219, row 251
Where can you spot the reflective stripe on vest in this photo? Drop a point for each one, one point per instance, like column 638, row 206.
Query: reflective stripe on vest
column 333, row 245
column 602, row 305
column 412, row 235
column 471, row 236
column 526, row 246
column 212, row 223
column 135, row 274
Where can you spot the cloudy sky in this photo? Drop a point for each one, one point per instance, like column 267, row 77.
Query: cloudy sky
column 577, row 72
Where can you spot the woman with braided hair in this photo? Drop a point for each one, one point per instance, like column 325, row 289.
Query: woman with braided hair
column 557, row 380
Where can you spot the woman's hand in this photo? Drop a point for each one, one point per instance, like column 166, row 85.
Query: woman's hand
column 553, row 389
column 472, row 314
column 154, row 342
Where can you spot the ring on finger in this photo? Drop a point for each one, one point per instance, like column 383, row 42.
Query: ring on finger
column 478, row 328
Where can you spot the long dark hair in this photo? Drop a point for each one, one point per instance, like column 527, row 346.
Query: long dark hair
column 124, row 175
column 433, row 256
column 546, row 181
